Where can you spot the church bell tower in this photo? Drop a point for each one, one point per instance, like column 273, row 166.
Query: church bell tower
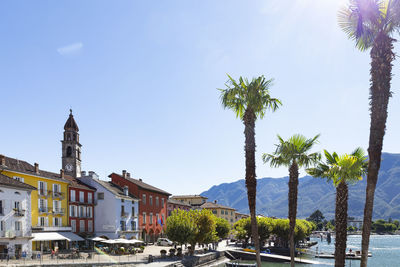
column 71, row 148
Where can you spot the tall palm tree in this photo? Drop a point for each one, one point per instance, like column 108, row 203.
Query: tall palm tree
column 372, row 23
column 293, row 153
column 341, row 170
column 250, row 100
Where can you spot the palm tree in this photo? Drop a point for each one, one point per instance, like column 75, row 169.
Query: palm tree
column 250, row 100
column 341, row 170
column 371, row 23
column 293, row 153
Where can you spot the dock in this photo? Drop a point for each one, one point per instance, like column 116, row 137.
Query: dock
column 244, row 255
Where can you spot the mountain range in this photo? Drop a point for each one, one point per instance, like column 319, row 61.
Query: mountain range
column 315, row 193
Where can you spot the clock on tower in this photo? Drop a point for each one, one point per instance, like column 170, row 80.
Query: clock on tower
column 71, row 148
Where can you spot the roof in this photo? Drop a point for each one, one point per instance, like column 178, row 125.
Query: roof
column 115, row 189
column 190, row 196
column 17, row 165
column 176, row 202
column 75, row 182
column 212, row 205
column 71, row 124
column 7, row 181
column 142, row 185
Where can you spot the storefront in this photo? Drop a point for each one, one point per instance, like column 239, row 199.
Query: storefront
column 47, row 241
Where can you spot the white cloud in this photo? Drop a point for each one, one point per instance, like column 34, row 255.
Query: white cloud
column 70, row 49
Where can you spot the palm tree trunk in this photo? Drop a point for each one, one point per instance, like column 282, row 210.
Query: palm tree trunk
column 293, row 183
column 249, row 119
column 381, row 74
column 342, row 195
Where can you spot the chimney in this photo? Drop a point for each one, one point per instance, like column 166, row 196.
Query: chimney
column 140, row 179
column 91, row 173
column 128, row 175
column 215, row 201
column 36, row 168
column 2, row 160
column 62, row 173
column 124, row 173
column 83, row 173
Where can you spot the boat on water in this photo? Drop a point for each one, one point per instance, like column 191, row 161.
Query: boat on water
column 356, row 255
column 240, row 264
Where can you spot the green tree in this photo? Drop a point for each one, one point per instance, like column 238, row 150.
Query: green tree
column 397, row 223
column 242, row 229
column 317, row 217
column 222, row 227
column 341, row 170
column 205, row 223
column 180, row 226
column 250, row 100
column 372, row 23
column 293, row 153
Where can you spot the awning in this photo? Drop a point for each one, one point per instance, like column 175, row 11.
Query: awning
column 52, row 236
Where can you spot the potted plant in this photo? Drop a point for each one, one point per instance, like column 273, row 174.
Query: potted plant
column 172, row 252
column 163, row 253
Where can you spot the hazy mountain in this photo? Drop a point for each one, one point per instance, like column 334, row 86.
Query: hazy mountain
column 315, row 193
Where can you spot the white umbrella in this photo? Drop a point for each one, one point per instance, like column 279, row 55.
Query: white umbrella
column 134, row 241
column 111, row 241
column 121, row 241
column 98, row 239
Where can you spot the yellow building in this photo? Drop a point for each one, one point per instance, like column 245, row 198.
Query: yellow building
column 220, row 211
column 48, row 203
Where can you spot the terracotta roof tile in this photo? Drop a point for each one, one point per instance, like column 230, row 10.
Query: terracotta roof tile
column 143, row 185
column 7, row 181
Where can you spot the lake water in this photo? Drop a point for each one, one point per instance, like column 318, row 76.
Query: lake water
column 385, row 251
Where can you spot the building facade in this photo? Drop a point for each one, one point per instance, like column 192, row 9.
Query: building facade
column 193, row 200
column 115, row 208
column 15, row 218
column 221, row 211
column 152, row 205
column 176, row 205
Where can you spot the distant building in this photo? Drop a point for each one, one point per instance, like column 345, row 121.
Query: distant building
column 355, row 223
column 193, row 200
column 115, row 208
column 221, row 211
column 15, row 217
column 177, row 205
column 152, row 205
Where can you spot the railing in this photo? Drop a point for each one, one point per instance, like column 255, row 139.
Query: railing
column 45, row 210
column 59, row 195
column 58, row 211
column 19, row 213
column 124, row 214
column 45, row 193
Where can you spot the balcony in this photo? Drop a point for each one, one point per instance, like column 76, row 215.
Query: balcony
column 19, row 212
column 45, row 210
column 44, row 193
column 124, row 214
column 59, row 211
column 59, row 195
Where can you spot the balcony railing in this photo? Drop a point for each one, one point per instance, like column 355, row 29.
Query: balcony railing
column 45, row 210
column 19, row 212
column 124, row 214
column 59, row 211
column 44, row 193
column 59, row 195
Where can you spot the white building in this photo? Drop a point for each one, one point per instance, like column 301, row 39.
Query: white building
column 15, row 218
column 115, row 208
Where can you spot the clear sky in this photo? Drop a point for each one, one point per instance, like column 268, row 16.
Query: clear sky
column 141, row 78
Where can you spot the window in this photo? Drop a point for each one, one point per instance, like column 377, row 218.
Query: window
column 89, row 212
column 157, row 218
column 123, row 226
column 90, row 226
column 144, row 217
column 162, row 202
column 151, row 200
column 82, row 226
column 157, row 201
column 42, row 188
column 81, row 211
column 133, row 211
column 214, row 212
column 69, row 151
column 151, row 218
column 18, row 178
column 90, row 198
column 1, row 207
column 71, row 211
column 122, row 210
column 43, row 221
column 73, row 225
column 18, row 226
column 56, row 188
column 162, row 219
column 17, row 205
column 133, row 225
column 42, row 205
column 57, row 222
column 100, row 195
column 122, row 200
column 2, row 226
column 73, row 195
column 81, row 196
column 144, row 199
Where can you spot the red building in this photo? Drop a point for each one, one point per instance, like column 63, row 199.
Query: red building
column 177, row 205
column 152, row 205
column 81, row 207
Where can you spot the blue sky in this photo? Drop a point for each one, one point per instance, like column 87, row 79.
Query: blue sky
column 141, row 78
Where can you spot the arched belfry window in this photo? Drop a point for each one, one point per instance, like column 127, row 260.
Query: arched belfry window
column 68, row 137
column 69, row 151
column 74, row 137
